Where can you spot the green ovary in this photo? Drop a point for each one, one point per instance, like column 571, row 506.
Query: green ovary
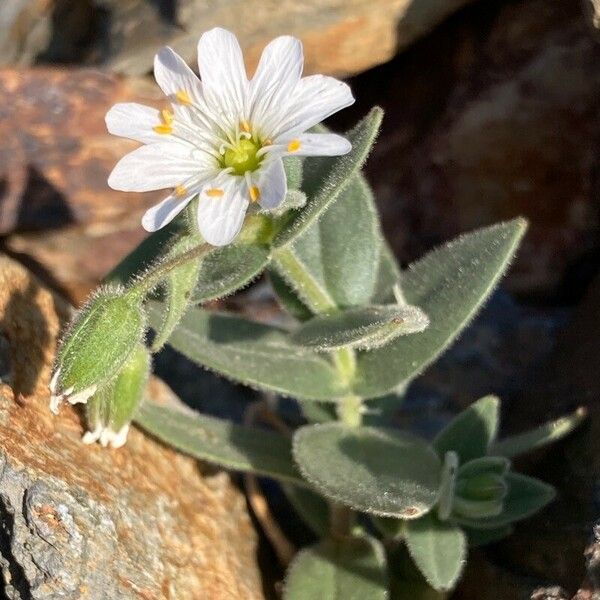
column 243, row 156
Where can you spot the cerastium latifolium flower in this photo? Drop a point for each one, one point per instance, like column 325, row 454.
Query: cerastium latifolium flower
column 393, row 511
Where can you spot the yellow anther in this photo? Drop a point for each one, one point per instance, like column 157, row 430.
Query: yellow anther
column 164, row 129
column 293, row 146
column 245, row 126
column 181, row 191
column 167, row 116
column 214, row 192
column 254, row 194
column 267, row 142
column 183, row 97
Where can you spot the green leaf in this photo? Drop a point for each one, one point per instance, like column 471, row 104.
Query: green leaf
column 481, row 537
column 334, row 263
column 364, row 327
column 471, row 432
column 406, row 581
column 318, row 412
column 221, row 442
column 345, row 569
column 388, row 527
column 497, row 465
column 388, row 275
column 438, row 549
column 541, row 436
column 450, row 284
column 254, row 354
column 378, row 471
column 286, row 297
column 525, row 497
column 313, row 509
column 228, row 269
column 179, row 286
column 331, row 177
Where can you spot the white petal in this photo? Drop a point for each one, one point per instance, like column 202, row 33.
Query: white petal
column 157, row 166
column 173, row 74
column 272, row 184
column 223, row 74
column 277, row 74
column 89, row 437
column 220, row 218
column 164, row 212
column 314, row 99
column 322, row 144
column 133, row 121
column 80, row 397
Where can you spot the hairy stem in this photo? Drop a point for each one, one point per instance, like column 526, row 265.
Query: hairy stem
column 151, row 278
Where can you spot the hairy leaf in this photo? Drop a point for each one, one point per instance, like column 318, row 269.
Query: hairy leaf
column 525, row 497
column 482, row 537
column 334, row 263
column 438, row 549
column 257, row 355
column 330, row 177
column 540, row 436
column 287, row 298
column 379, row 471
column 472, row 431
column 344, row 569
column 313, row 509
column 221, row 442
column 388, row 275
column 179, row 285
column 228, row 269
column 365, row 327
column 449, row 284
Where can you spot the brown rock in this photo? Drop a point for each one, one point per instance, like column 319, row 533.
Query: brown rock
column 55, row 152
column 79, row 521
column 74, row 260
column 341, row 36
column 494, row 115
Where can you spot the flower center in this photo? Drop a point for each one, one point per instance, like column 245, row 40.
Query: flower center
column 242, row 157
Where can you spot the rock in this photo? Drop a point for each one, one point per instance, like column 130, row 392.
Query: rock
column 55, row 152
column 25, row 30
column 83, row 522
column 340, row 36
column 494, row 115
column 550, row 545
column 74, row 260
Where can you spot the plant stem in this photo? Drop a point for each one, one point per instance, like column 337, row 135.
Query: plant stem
column 298, row 276
column 151, row 278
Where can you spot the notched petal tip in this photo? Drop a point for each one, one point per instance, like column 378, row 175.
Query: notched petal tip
column 106, row 437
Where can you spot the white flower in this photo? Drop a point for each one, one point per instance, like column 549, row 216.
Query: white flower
column 106, row 436
column 223, row 138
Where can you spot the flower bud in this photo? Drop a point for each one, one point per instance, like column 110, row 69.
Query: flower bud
column 97, row 344
column 111, row 409
column 480, row 495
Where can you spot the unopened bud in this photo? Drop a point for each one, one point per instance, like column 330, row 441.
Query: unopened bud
column 112, row 408
column 97, row 344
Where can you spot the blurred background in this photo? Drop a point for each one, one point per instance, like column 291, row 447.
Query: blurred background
column 492, row 111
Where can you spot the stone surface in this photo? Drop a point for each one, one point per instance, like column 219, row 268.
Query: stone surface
column 141, row 522
column 495, row 114
column 340, row 36
column 55, row 152
column 551, row 545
